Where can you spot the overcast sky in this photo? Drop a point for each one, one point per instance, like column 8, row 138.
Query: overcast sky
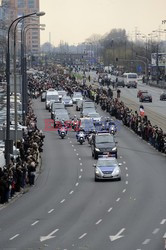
column 73, row 21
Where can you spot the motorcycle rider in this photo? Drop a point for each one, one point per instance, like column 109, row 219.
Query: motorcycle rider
column 80, row 133
column 63, row 128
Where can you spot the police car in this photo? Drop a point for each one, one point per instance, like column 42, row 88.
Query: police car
column 107, row 168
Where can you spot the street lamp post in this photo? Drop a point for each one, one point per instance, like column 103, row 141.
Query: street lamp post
column 7, row 141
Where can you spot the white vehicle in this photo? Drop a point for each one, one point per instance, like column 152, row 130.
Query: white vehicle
column 51, row 95
column 77, row 96
column 95, row 116
column 130, row 79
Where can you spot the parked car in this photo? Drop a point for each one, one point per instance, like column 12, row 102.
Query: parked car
column 145, row 97
column 163, row 96
column 140, row 92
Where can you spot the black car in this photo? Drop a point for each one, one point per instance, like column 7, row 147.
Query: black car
column 145, row 97
column 163, row 96
column 103, row 144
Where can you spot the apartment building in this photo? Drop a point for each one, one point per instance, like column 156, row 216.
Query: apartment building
column 18, row 8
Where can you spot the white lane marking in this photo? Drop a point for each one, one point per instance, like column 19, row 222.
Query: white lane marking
column 79, row 159
column 146, row 242
column 156, row 231
column 127, row 182
column 124, row 190
column 74, row 149
column 49, row 212
column 70, row 141
column 81, row 170
column 80, row 163
column 62, row 201
column 124, row 162
column 77, row 184
column 49, row 236
column 68, row 138
column 71, row 192
column 15, row 236
column 110, row 209
column 120, row 157
column 127, row 175
column 82, row 236
column 72, row 145
column 77, row 154
column 99, row 221
column 34, row 223
column 80, row 177
column 118, row 199
column 126, row 168
column 163, row 222
column 117, row 236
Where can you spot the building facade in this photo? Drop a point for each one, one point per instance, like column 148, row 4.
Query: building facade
column 18, row 8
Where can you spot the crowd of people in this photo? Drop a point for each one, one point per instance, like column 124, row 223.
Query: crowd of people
column 22, row 168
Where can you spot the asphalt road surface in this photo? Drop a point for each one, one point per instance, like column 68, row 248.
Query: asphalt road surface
column 67, row 210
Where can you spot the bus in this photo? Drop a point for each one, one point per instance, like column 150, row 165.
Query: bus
column 130, row 80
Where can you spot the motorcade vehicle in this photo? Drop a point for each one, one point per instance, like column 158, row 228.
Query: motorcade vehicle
column 62, row 133
column 62, row 93
column 107, row 168
column 60, row 118
column 77, row 96
column 86, row 111
column 163, row 96
column 67, row 101
column 87, row 125
column 79, row 105
column 88, row 104
column 130, row 80
column 55, row 106
column 95, row 116
column 43, row 96
column 103, row 144
column 145, row 97
column 140, row 92
column 51, row 95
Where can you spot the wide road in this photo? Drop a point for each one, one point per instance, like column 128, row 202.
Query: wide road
column 67, row 210
column 156, row 111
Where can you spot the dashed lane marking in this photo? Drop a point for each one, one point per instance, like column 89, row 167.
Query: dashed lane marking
column 126, row 168
column 163, row 222
column 156, row 231
column 74, row 149
column 99, row 221
column 77, row 154
column 127, row 182
column 71, row 192
column 80, row 177
column 80, row 163
column 81, row 170
column 82, row 236
column 62, row 201
column 120, row 157
column 110, row 209
column 118, row 199
column 15, row 236
column 124, row 190
column 49, row 212
column 77, row 184
column 124, row 162
column 146, row 242
column 34, row 223
column 72, row 145
column 70, row 141
column 79, row 159
column 127, row 175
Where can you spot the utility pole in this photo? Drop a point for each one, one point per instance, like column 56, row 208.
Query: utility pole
column 157, row 65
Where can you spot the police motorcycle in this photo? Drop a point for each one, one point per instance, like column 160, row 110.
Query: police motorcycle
column 80, row 136
column 75, row 123
column 62, row 131
column 110, row 126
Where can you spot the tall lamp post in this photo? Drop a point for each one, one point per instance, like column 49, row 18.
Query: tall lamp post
column 7, row 141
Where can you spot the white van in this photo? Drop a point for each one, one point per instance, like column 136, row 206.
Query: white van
column 130, row 80
column 51, row 95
